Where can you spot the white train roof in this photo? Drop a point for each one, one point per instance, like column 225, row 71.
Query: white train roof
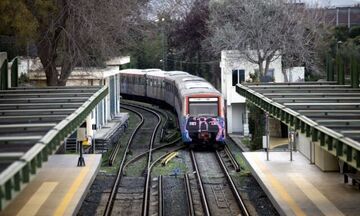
column 132, row 71
column 187, row 84
column 159, row 73
column 152, row 70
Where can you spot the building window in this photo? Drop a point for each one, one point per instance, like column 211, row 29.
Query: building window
column 238, row 76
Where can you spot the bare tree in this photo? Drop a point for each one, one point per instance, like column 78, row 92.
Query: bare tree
column 176, row 9
column 81, row 32
column 263, row 30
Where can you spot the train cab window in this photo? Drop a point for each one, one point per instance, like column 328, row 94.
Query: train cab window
column 238, row 76
column 203, row 106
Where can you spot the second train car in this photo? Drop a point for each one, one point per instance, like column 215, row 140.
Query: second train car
column 199, row 106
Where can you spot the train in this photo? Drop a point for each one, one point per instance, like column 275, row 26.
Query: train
column 198, row 105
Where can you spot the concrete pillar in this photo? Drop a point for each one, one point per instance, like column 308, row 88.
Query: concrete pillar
column 104, row 114
column 97, row 117
column 115, row 95
column 118, row 93
column 229, row 119
column 246, row 122
column 89, row 129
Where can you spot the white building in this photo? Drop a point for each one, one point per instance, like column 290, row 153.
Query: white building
column 236, row 69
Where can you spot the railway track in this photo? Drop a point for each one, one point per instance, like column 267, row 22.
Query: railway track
column 217, row 190
column 194, row 183
column 143, row 128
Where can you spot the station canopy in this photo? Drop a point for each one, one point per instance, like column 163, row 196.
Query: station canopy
column 33, row 123
column 326, row 112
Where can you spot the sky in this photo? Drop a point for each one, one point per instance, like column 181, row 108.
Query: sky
column 334, row 2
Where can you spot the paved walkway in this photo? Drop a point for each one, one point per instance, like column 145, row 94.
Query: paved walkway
column 299, row 188
column 274, row 142
column 58, row 189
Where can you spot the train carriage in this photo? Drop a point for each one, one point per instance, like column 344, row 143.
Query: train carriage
column 155, row 84
column 132, row 82
column 199, row 106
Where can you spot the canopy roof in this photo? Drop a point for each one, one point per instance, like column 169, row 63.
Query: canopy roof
column 324, row 111
column 33, row 122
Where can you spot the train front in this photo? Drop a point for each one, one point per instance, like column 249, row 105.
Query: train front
column 204, row 122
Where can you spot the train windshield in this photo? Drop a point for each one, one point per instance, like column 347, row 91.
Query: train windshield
column 203, row 106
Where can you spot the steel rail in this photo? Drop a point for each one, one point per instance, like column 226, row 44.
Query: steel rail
column 232, row 186
column 160, row 210
column 113, row 153
column 233, row 161
column 202, row 190
column 154, row 149
column 145, row 209
column 161, row 157
column 189, row 195
column 109, row 204
column 147, row 181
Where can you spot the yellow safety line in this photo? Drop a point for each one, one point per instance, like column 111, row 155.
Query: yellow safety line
column 73, row 189
column 37, row 199
column 323, row 204
column 279, row 188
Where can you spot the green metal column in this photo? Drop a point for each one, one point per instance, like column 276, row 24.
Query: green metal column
column 330, row 68
column 354, row 71
column 4, row 75
column 14, row 73
column 340, row 70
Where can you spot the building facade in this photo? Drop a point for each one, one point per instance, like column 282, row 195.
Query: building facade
column 236, row 69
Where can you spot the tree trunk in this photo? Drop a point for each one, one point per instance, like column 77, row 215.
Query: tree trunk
column 66, row 69
column 48, row 42
column 261, row 70
column 267, row 64
column 47, row 56
column 285, row 75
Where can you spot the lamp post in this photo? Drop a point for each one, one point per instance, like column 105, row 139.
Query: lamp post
column 338, row 44
column 163, row 43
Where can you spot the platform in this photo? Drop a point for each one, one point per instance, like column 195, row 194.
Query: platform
column 275, row 142
column 58, row 189
column 299, row 188
column 110, row 133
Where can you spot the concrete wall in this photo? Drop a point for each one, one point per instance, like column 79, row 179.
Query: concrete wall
column 303, row 145
column 275, row 128
column 295, row 74
column 313, row 151
column 236, row 118
column 324, row 160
